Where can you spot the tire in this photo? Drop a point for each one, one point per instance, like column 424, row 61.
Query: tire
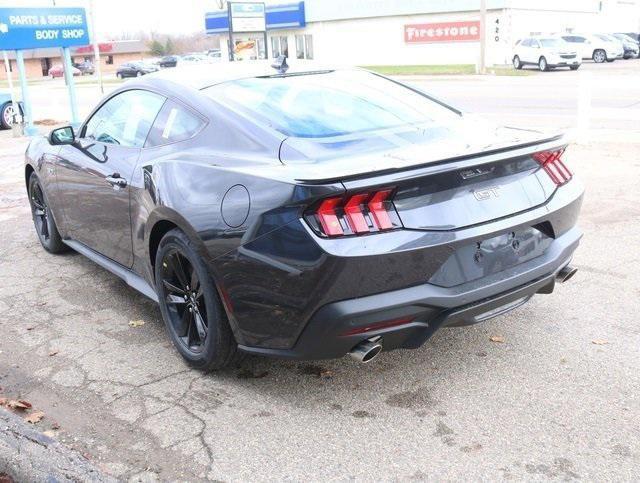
column 43, row 221
column 599, row 56
column 516, row 63
column 177, row 263
column 138, row 74
column 574, row 67
column 119, row 75
column 6, row 115
column 542, row 64
column 610, row 60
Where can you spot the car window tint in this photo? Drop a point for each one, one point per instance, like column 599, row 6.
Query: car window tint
column 125, row 119
column 174, row 123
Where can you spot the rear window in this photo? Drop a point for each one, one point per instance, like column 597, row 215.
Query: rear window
column 329, row 103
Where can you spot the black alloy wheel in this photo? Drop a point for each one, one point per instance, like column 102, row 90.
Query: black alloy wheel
column 43, row 221
column 185, row 301
column 190, row 306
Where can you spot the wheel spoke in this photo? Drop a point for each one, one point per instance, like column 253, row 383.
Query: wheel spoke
column 181, row 323
column 175, row 299
column 172, row 288
column 178, row 270
column 195, row 283
column 200, row 325
column 45, row 228
column 39, row 211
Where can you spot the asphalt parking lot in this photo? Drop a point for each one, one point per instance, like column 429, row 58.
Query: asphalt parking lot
column 558, row 399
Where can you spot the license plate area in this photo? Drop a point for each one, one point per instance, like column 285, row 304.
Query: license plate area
column 476, row 260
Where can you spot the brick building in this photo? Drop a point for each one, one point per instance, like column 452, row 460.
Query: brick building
column 37, row 62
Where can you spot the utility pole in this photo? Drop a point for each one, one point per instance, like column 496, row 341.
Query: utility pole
column 483, row 36
column 94, row 41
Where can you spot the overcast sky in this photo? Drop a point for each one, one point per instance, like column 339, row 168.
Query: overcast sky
column 116, row 16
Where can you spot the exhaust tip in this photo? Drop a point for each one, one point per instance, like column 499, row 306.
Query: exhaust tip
column 566, row 273
column 366, row 351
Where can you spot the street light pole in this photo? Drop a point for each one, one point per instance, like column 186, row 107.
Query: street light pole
column 483, row 35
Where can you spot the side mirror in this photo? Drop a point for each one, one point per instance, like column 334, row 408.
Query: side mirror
column 62, row 135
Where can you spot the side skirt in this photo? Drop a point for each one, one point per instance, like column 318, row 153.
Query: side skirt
column 133, row 280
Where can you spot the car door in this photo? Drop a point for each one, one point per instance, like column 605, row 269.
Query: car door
column 93, row 174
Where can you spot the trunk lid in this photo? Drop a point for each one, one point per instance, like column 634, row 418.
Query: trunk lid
column 445, row 178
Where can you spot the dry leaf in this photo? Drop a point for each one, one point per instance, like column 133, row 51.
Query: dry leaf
column 30, row 328
column 20, row 404
column 3, row 401
column 136, row 323
column 53, row 353
column 326, row 373
column 49, row 433
column 496, row 338
column 599, row 341
column 35, row 417
column 55, row 426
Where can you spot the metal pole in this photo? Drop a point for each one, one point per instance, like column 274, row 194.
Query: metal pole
column 232, row 53
column 17, row 118
column 483, row 35
column 30, row 129
column 94, row 39
column 68, row 78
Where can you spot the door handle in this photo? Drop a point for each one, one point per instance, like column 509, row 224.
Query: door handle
column 116, row 181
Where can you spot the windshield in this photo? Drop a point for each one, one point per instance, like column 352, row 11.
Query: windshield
column 552, row 42
column 329, row 103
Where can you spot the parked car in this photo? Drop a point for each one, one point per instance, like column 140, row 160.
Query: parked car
column 546, row 53
column 196, row 59
column 58, row 71
column 135, row 69
column 168, row 61
column 595, row 47
column 258, row 229
column 85, row 67
column 630, row 45
column 216, row 54
column 7, row 110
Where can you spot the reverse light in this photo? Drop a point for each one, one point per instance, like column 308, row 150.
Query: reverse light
column 552, row 163
column 355, row 214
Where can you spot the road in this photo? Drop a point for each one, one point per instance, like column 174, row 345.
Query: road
column 558, row 399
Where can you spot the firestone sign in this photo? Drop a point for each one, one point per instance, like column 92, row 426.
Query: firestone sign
column 442, row 32
column 33, row 28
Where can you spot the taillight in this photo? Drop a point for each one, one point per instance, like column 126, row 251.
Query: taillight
column 553, row 165
column 356, row 214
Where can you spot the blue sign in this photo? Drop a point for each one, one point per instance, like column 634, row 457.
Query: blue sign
column 34, row 28
column 288, row 16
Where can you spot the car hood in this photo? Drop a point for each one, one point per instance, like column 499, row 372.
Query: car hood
column 393, row 149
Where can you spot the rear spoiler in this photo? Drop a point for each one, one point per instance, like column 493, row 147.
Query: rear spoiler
column 459, row 162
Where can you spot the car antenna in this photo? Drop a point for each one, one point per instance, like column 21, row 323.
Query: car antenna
column 281, row 64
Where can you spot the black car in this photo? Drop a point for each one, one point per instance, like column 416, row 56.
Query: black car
column 168, row 61
column 135, row 69
column 306, row 214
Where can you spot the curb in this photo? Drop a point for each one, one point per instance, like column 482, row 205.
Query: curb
column 28, row 455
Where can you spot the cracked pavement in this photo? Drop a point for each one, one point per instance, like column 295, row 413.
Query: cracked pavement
column 548, row 403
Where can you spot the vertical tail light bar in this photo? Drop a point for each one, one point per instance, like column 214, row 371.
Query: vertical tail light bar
column 356, row 214
column 552, row 163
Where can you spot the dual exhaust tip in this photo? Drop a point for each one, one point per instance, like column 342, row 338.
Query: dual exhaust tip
column 369, row 349
column 566, row 273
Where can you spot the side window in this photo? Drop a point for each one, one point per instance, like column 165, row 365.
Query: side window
column 174, row 123
column 535, row 43
column 125, row 119
column 526, row 43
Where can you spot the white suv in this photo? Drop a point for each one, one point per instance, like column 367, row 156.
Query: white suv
column 596, row 47
column 546, row 53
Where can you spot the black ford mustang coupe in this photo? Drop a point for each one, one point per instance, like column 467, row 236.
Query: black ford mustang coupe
column 307, row 213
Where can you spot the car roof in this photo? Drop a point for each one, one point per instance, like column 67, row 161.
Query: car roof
column 199, row 76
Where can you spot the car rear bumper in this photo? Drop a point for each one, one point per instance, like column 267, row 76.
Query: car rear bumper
column 337, row 327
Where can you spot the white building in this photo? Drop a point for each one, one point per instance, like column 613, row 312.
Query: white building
column 412, row 32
